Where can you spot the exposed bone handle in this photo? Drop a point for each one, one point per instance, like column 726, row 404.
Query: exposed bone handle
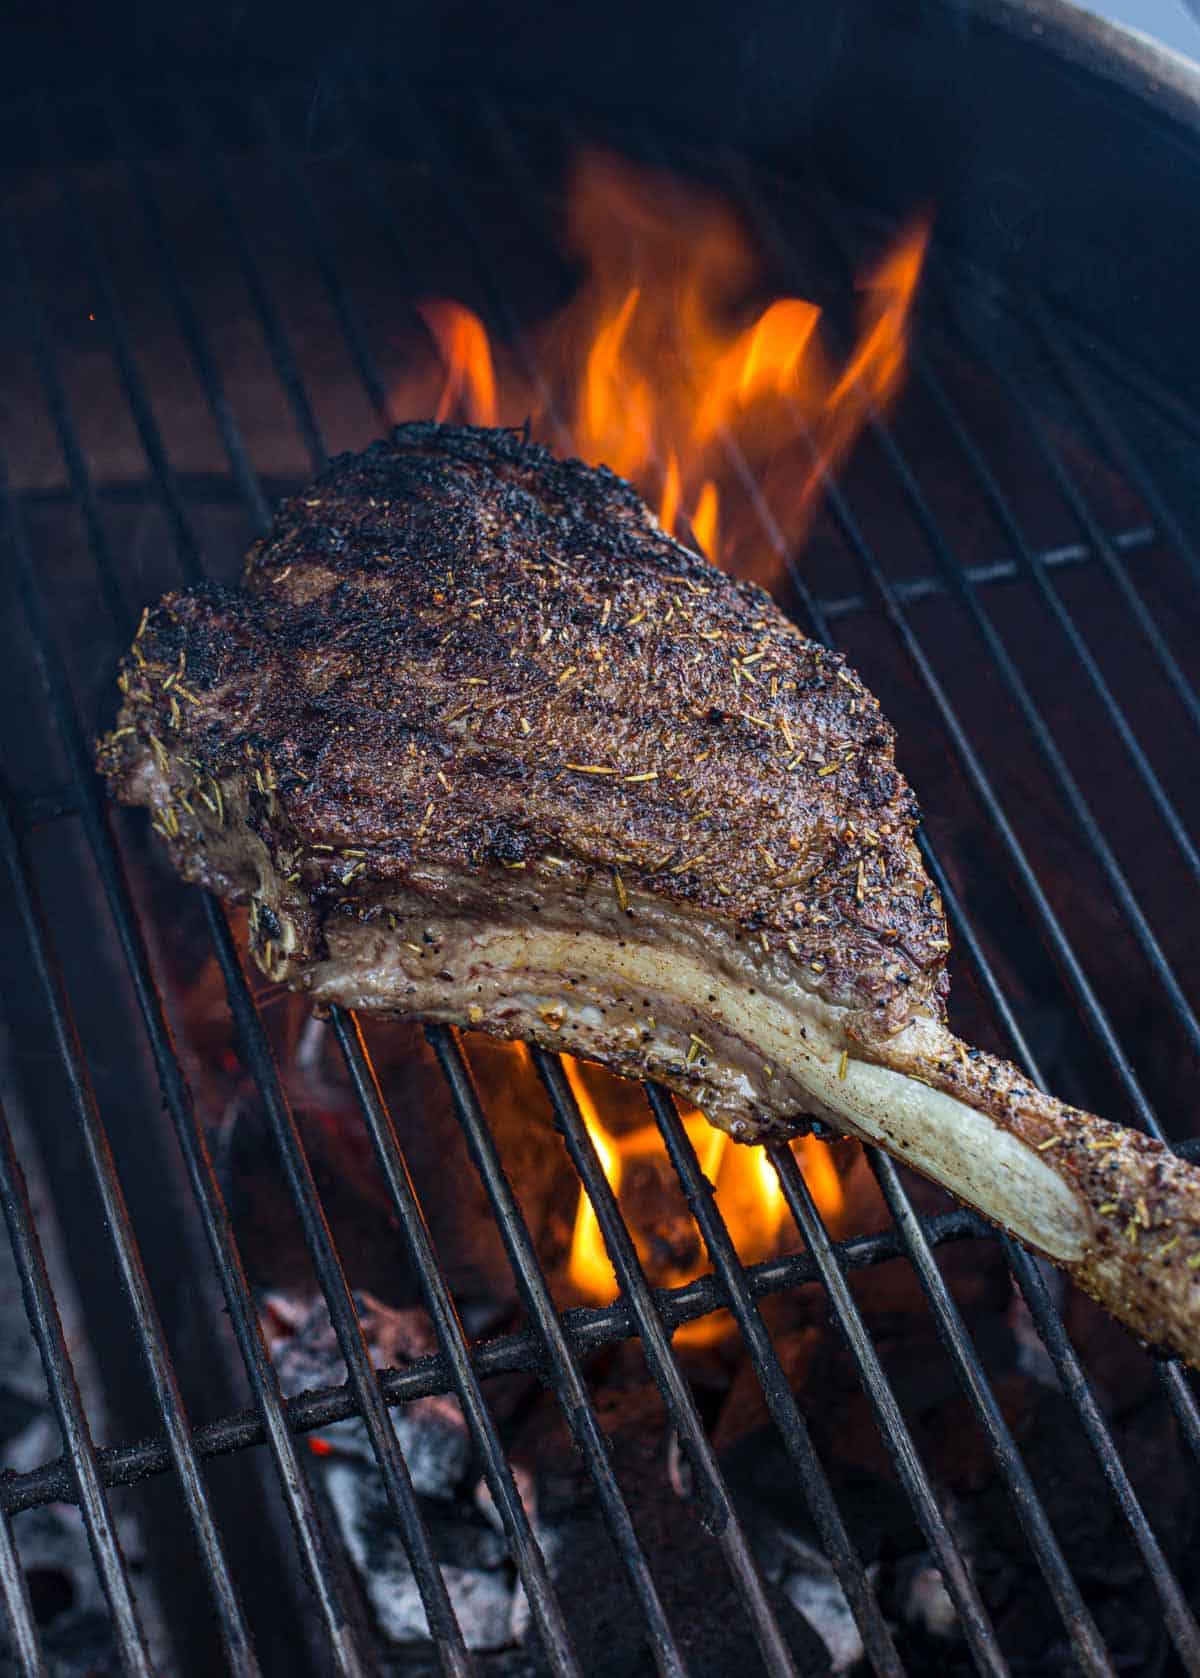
column 1115, row 1209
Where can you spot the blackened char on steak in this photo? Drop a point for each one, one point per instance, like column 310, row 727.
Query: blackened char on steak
column 478, row 742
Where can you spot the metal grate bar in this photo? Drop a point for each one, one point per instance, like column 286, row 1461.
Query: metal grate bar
column 426, row 144
column 82, row 488
column 397, row 1483
column 973, row 1616
column 347, row 315
column 569, row 1385
column 585, row 1330
column 1048, row 1323
column 527, row 1555
column 190, row 327
column 176, row 1093
column 1095, row 410
column 499, row 306
column 1173, row 1378
column 208, row 158
column 1090, row 525
column 775, row 537
column 206, row 155
column 781, row 1405
column 47, row 1327
column 164, row 471
column 393, row 1167
column 944, row 556
column 1170, row 1372
column 25, row 1640
column 912, row 590
column 234, row 1632
column 1181, row 414
column 716, row 1507
column 1033, row 568
column 40, row 808
column 1180, row 1621
column 1081, row 1627
column 1084, row 816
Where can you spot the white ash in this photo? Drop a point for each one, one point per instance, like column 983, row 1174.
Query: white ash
column 549, row 1540
column 431, row 1432
column 1032, row 1357
column 679, row 1470
column 466, row 1531
column 926, row 1603
column 526, row 1491
column 482, row 1599
column 922, row 1598
column 808, row 1581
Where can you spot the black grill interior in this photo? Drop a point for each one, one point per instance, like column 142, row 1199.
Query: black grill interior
column 203, row 298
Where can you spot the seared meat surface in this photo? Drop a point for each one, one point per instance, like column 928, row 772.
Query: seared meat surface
column 478, row 742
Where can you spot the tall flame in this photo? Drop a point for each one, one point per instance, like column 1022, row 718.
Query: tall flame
column 727, row 414
column 661, row 368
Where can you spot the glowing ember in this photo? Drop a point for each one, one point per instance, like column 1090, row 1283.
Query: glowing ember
column 665, row 367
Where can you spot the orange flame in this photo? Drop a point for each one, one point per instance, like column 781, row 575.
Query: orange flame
column 462, row 344
column 663, row 369
column 727, row 414
column 748, row 1197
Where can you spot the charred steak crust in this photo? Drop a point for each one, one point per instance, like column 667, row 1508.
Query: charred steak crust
column 457, row 652
column 479, row 743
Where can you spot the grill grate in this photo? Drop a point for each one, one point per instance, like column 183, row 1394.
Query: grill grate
column 556, row 1346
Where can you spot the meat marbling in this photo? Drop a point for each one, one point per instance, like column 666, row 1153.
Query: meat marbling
column 479, row 743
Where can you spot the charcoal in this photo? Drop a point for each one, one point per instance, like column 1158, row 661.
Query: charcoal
column 431, row 1431
column 808, row 1581
column 65, row 1594
column 698, row 1594
column 548, row 1538
column 462, row 1538
column 970, row 1491
column 482, row 1598
column 924, row 1602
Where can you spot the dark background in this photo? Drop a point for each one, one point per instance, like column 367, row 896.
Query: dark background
column 1058, row 155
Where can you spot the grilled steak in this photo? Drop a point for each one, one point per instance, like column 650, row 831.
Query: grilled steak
column 479, row 743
